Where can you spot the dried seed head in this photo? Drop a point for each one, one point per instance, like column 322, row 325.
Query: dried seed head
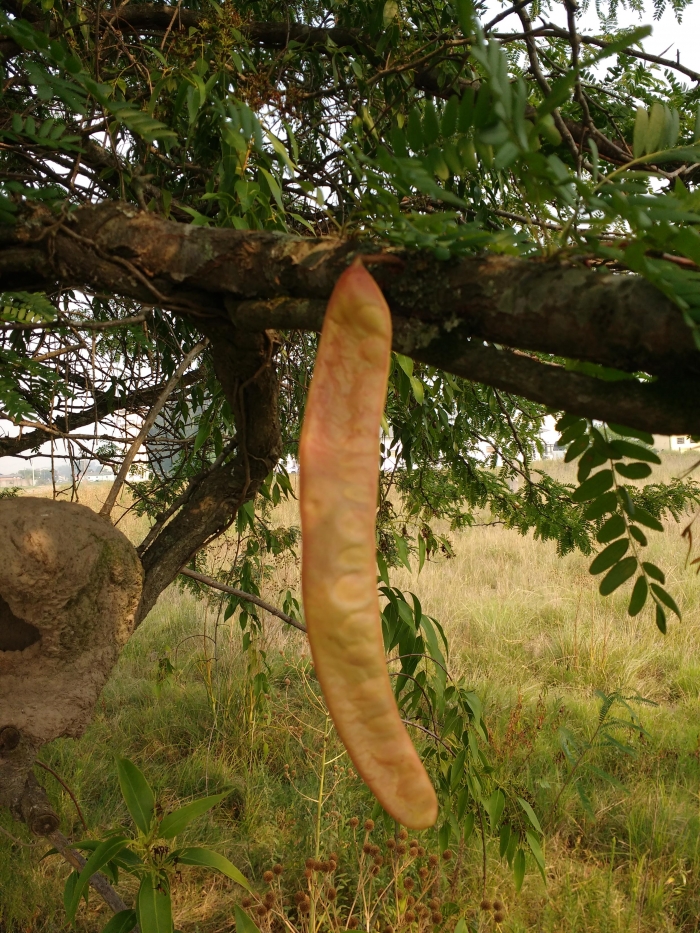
column 410, row 916
column 408, row 884
column 352, row 923
column 413, row 852
column 434, row 903
column 353, row 822
column 269, row 899
column 261, row 910
column 374, row 871
column 299, row 897
column 318, row 865
column 414, row 843
column 410, row 900
column 308, row 873
column 378, row 860
column 287, row 681
column 436, row 917
column 403, row 834
column 304, row 906
column 498, row 904
column 332, row 865
column 388, row 928
column 421, row 851
column 333, row 856
column 423, row 872
column 401, row 848
column 375, row 849
column 390, row 844
column 369, row 826
column 331, row 894
column 367, row 848
column 485, row 904
column 499, row 917
column 277, row 869
column 246, row 902
column 268, row 877
column 310, row 862
column 423, row 911
column 447, row 855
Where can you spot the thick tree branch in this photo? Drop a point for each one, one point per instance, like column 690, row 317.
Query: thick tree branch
column 262, row 280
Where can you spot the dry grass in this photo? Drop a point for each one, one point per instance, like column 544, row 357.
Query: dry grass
column 524, row 624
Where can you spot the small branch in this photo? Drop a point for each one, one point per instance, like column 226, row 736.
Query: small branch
column 67, row 790
column 248, row 597
column 148, row 423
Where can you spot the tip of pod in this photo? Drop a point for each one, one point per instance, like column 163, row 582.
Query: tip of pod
column 417, row 809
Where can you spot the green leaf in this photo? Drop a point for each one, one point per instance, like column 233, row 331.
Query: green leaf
column 653, row 571
column 504, row 839
column 623, row 431
column 639, row 596
column 531, row 815
column 448, row 124
column 431, row 126
column 638, row 535
column 573, row 431
column 641, row 125
column 536, row 850
column 619, row 574
column 657, row 119
column 660, row 619
column 137, row 794
column 123, row 922
column 592, row 487
column 600, row 506
column 209, row 859
column 244, row 924
column 665, row 598
column 576, row 448
column 646, row 518
column 626, row 449
column 465, row 15
column 153, row 907
column 613, row 528
column 633, row 470
column 519, row 869
column 104, row 853
column 174, row 823
column 494, row 807
column 609, row 556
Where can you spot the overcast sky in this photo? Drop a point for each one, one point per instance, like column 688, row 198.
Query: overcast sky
column 668, row 38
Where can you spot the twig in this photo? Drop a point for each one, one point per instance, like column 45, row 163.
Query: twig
column 97, row 881
column 67, row 790
column 248, row 597
column 148, row 423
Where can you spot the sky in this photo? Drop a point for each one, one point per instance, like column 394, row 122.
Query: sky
column 668, row 38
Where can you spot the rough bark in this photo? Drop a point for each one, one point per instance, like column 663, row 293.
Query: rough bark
column 260, row 280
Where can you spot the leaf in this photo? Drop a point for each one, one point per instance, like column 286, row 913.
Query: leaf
column 576, row 448
column 104, row 853
column 592, row 487
column 206, row 858
column 643, row 436
column 465, row 15
column 633, row 470
column 536, row 850
column 657, row 119
column 153, row 907
column 619, row 574
column 613, row 528
column 123, row 922
column 494, row 807
column 638, row 535
column 519, row 869
column 609, row 556
column 660, row 619
column 641, row 125
column 665, row 598
column 626, row 449
column 137, row 794
column 390, row 12
column 244, row 924
column 530, row 814
column 600, row 506
column 504, row 839
column 653, row 571
column 639, row 596
column 646, row 518
column 174, row 823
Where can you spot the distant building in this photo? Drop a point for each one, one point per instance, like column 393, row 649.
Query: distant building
column 679, row 442
column 14, row 480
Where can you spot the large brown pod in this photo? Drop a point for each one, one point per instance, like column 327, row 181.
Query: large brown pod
column 339, row 471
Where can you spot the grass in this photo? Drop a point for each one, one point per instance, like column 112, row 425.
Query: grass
column 528, row 632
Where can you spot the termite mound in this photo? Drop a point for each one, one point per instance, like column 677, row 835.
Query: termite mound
column 70, row 585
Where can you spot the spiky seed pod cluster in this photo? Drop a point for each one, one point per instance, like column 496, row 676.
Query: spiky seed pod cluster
column 268, row 877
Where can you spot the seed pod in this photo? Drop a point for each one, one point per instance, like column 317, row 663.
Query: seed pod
column 498, row 904
column 277, row 869
column 403, row 834
column 485, row 904
column 499, row 917
column 339, row 474
column 268, row 877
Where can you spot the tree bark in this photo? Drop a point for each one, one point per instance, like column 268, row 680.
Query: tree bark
column 444, row 312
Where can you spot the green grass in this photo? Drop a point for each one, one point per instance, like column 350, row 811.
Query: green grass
column 528, row 632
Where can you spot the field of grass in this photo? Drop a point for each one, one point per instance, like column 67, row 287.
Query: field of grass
column 528, row 633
